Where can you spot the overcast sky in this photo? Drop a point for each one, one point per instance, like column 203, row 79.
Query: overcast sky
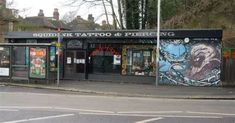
column 32, row 7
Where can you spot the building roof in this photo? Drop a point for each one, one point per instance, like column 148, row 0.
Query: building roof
column 60, row 24
column 81, row 24
column 46, row 22
column 39, row 21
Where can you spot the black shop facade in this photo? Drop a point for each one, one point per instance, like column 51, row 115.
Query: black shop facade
column 126, row 56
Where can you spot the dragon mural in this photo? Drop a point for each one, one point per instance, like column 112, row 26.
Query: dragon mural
column 194, row 63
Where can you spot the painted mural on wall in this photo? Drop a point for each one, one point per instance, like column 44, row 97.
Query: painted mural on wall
column 194, row 62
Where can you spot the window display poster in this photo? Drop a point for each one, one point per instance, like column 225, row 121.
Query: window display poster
column 69, row 60
column 4, row 71
column 37, row 63
column 116, row 59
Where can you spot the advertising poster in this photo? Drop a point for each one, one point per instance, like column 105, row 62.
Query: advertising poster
column 4, row 61
column 52, row 59
column 37, row 63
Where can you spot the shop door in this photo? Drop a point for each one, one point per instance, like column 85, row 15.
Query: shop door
column 74, row 65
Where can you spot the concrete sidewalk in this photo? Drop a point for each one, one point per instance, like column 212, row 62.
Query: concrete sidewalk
column 136, row 90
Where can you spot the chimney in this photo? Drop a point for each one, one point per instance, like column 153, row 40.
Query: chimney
column 56, row 14
column 104, row 23
column 90, row 18
column 41, row 14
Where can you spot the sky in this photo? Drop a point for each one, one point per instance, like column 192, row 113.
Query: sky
column 29, row 8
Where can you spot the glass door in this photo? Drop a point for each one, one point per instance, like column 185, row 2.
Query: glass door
column 74, row 65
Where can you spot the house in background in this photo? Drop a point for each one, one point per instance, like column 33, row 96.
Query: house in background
column 7, row 19
column 81, row 24
column 42, row 23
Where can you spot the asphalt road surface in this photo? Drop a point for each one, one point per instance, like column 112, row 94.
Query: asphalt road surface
column 24, row 105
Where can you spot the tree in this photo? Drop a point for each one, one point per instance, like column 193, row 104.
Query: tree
column 107, row 5
column 69, row 16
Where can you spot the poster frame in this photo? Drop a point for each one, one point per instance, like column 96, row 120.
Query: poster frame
column 45, row 60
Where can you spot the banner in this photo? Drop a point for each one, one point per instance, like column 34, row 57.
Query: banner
column 37, row 63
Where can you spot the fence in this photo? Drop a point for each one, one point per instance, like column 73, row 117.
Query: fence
column 228, row 67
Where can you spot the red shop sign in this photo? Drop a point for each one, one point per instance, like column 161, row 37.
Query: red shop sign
column 110, row 49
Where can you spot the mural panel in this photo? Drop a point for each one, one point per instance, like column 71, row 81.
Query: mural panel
column 194, row 62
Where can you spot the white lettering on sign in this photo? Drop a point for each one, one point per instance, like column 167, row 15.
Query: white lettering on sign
column 43, row 35
column 67, row 34
column 93, row 34
column 134, row 34
column 170, row 34
column 102, row 34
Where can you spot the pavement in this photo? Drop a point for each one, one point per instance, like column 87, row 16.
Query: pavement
column 135, row 90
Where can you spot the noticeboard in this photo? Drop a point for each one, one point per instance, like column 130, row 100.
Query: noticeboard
column 37, row 62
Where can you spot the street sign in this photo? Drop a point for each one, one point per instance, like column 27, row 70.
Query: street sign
column 58, row 44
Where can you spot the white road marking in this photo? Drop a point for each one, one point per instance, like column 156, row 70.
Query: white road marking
column 8, row 110
column 150, row 120
column 100, row 96
column 26, row 107
column 150, row 115
column 150, row 112
column 131, row 113
column 55, row 108
column 39, row 118
column 82, row 110
column 210, row 113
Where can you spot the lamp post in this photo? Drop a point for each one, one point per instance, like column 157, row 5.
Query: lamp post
column 58, row 57
column 158, row 41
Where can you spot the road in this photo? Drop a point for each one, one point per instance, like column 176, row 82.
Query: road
column 25, row 105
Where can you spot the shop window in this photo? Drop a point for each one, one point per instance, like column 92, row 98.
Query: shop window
column 138, row 60
column 105, row 59
column 4, row 61
column 19, row 56
column 20, row 63
column 5, row 57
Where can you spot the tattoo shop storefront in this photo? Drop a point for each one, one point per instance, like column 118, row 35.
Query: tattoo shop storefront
column 187, row 57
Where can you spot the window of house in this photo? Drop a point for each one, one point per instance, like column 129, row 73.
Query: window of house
column 11, row 26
